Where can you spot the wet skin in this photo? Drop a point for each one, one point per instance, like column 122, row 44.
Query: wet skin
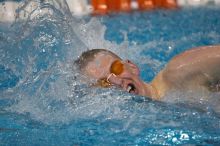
column 197, row 68
column 128, row 80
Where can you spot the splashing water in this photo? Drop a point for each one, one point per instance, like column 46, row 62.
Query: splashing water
column 44, row 100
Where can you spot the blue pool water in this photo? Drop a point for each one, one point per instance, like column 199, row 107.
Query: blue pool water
column 44, row 100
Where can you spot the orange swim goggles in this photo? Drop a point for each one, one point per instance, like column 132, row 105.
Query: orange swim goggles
column 117, row 67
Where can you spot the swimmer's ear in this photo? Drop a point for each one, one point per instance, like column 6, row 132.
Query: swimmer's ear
column 135, row 68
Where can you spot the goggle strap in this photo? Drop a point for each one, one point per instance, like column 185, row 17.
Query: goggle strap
column 109, row 76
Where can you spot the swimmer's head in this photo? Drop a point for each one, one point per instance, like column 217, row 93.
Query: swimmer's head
column 108, row 69
column 95, row 63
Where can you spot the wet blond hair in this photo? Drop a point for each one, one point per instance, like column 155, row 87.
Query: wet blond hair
column 89, row 56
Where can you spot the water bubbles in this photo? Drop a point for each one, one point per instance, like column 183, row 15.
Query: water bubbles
column 194, row 113
column 175, row 140
column 182, row 139
column 184, row 136
column 51, row 92
column 170, row 48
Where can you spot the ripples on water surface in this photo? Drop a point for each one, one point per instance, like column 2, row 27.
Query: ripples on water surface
column 43, row 100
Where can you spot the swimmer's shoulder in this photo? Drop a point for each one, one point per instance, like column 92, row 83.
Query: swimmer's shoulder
column 201, row 53
column 194, row 60
column 194, row 68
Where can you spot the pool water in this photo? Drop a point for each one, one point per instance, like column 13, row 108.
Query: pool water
column 45, row 101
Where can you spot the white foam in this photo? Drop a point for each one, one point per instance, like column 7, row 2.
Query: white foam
column 66, row 98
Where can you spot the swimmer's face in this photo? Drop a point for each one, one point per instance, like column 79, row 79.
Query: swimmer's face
column 109, row 70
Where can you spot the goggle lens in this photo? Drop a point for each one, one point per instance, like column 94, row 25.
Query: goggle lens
column 117, row 67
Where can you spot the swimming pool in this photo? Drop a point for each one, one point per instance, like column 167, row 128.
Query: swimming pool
column 44, row 101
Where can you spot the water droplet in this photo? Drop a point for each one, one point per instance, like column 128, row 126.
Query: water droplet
column 184, row 136
column 174, row 140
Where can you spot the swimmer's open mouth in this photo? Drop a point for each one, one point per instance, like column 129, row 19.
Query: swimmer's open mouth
column 131, row 88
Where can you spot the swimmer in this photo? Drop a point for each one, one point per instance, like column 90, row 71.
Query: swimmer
column 194, row 69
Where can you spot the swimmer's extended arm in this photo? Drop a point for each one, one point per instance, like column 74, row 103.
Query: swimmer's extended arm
column 195, row 67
